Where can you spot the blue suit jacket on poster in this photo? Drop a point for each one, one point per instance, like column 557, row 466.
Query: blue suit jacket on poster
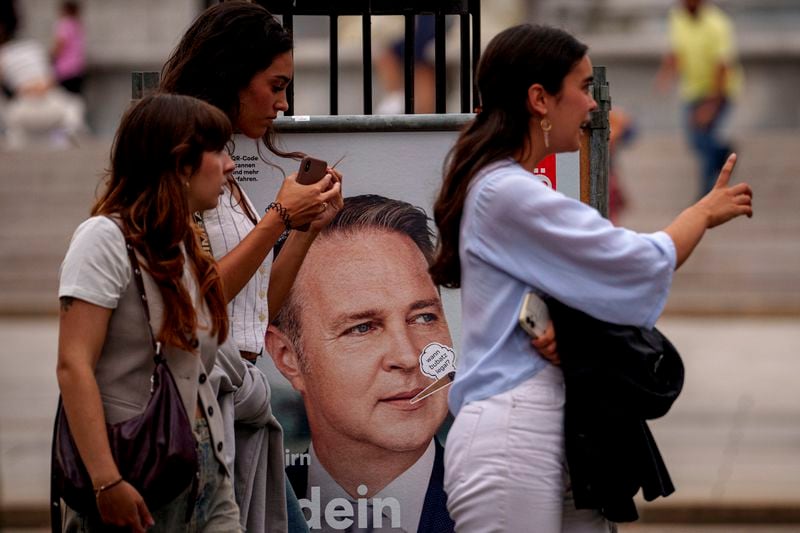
column 434, row 518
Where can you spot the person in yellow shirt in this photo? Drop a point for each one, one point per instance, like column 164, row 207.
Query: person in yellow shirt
column 702, row 52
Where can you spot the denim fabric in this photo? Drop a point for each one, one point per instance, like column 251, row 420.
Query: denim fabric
column 215, row 509
column 711, row 150
column 297, row 521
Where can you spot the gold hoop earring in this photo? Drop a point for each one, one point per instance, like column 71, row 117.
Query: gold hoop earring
column 546, row 127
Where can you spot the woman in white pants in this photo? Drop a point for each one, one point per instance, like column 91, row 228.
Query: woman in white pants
column 504, row 234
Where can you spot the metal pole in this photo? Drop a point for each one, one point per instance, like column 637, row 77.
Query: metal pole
column 465, row 72
column 599, row 164
column 441, row 64
column 366, row 39
column 144, row 84
column 334, row 61
column 288, row 23
column 475, row 9
column 409, row 63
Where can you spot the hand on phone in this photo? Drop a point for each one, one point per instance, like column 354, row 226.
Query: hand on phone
column 311, row 171
column 304, row 204
column 534, row 319
column 533, row 316
column 545, row 344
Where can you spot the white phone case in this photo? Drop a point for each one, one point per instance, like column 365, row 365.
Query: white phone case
column 533, row 316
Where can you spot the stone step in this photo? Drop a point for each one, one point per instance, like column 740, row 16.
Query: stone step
column 747, row 266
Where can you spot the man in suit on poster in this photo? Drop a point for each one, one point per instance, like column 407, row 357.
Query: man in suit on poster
column 349, row 339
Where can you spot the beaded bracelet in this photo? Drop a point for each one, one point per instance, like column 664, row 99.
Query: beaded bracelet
column 282, row 213
column 107, row 486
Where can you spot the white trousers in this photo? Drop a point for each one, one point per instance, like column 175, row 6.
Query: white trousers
column 505, row 469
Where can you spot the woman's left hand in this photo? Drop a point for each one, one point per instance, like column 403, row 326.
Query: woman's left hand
column 545, row 344
column 333, row 206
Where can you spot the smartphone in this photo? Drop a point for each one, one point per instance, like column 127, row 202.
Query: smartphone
column 533, row 316
column 311, row 170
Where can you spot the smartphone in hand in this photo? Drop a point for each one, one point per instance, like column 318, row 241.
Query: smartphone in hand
column 533, row 316
column 311, row 171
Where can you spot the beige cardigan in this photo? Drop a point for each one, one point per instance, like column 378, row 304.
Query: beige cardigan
column 126, row 362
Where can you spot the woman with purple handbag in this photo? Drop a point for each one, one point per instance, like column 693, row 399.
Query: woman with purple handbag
column 144, row 438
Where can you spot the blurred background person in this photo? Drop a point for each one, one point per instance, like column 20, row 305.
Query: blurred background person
column 390, row 68
column 703, row 53
column 38, row 109
column 623, row 131
column 69, row 48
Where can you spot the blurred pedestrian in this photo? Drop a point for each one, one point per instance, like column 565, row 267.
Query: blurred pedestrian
column 703, row 53
column 503, row 234
column 69, row 48
column 38, row 109
column 168, row 160
column 623, row 131
column 390, row 69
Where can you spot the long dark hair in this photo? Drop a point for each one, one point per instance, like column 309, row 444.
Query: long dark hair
column 219, row 54
column 513, row 61
column 158, row 139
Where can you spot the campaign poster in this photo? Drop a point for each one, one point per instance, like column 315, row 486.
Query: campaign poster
column 360, row 356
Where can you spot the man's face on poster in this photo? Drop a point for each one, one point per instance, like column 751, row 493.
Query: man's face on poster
column 367, row 308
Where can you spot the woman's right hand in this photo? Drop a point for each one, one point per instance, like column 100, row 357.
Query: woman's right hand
column 122, row 505
column 546, row 345
column 304, row 203
column 724, row 202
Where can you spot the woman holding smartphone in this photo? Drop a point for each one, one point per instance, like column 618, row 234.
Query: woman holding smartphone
column 504, row 234
column 237, row 57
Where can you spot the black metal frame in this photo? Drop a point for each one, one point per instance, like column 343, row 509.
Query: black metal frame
column 409, row 9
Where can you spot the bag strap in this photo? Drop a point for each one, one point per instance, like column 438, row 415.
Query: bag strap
column 55, row 497
column 137, row 275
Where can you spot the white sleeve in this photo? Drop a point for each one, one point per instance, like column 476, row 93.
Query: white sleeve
column 96, row 268
column 566, row 249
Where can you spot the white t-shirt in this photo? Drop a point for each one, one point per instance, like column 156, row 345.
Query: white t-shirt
column 96, row 268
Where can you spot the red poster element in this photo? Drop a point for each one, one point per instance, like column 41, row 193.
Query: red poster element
column 546, row 170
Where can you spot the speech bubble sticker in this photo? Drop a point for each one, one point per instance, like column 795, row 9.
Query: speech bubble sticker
column 437, row 360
